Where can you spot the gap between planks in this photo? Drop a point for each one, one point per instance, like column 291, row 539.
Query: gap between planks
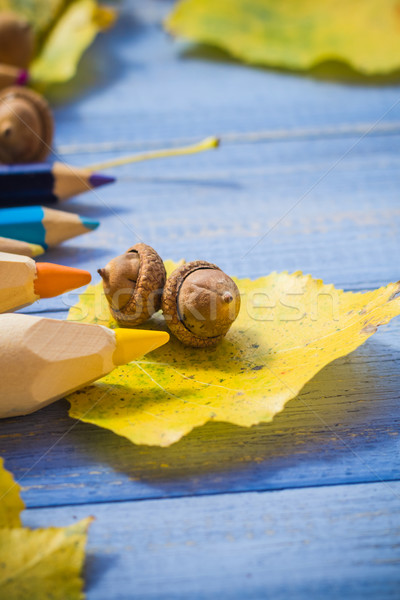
column 383, row 482
column 361, row 129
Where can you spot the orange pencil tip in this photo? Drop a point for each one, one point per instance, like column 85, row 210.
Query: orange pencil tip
column 52, row 280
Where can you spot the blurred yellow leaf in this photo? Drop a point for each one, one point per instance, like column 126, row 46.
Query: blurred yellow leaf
column 293, row 34
column 43, row 564
column 64, row 30
column 37, row 564
column 40, row 13
column 289, row 327
column 69, row 38
column 11, row 504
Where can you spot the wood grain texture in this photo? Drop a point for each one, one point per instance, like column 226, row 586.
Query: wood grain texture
column 340, row 542
column 343, row 428
column 317, row 191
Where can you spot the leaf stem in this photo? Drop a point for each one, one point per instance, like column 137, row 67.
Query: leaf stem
column 206, row 144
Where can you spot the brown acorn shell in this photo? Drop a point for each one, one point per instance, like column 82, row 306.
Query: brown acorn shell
column 169, row 304
column 40, row 105
column 146, row 296
column 16, row 40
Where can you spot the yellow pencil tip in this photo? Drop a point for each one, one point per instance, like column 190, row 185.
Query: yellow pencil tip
column 134, row 343
column 37, row 250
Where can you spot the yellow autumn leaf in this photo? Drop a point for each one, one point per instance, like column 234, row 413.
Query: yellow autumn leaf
column 43, row 564
column 289, row 327
column 40, row 13
column 11, row 504
column 64, row 30
column 293, row 34
column 67, row 41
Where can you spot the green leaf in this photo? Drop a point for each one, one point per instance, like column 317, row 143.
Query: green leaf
column 289, row 327
column 296, row 34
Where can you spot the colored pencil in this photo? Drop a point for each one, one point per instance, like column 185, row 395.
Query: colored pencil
column 10, row 75
column 44, row 226
column 42, row 183
column 42, row 360
column 22, row 281
column 26, row 185
column 18, row 247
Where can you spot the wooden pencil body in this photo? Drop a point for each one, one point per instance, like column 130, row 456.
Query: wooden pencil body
column 17, row 276
column 41, row 183
column 70, row 181
column 17, row 247
column 42, row 360
column 45, row 183
column 41, row 225
column 27, row 185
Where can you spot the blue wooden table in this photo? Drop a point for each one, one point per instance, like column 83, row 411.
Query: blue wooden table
column 307, row 178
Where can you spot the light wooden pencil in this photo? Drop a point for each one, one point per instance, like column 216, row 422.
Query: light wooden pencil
column 42, row 360
column 18, row 247
column 22, row 281
column 41, row 225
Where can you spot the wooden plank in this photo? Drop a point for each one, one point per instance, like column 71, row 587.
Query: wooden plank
column 339, row 542
column 342, row 429
column 255, row 208
column 158, row 89
column 329, row 206
column 344, row 231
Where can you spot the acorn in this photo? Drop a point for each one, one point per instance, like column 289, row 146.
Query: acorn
column 16, row 40
column 133, row 284
column 200, row 303
column 26, row 126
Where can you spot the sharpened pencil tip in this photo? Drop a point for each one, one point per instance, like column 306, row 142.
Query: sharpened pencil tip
column 37, row 250
column 97, row 180
column 22, row 78
column 53, row 280
column 131, row 344
column 89, row 223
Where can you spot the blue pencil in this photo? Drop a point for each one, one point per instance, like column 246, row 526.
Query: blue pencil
column 44, row 226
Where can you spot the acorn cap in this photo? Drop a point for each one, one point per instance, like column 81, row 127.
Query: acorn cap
column 33, row 143
column 146, row 295
column 16, row 40
column 169, row 305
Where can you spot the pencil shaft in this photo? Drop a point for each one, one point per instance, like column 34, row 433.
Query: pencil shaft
column 22, row 281
column 17, row 274
column 21, row 248
column 41, row 360
column 26, row 185
column 44, row 226
column 43, row 183
column 44, row 359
